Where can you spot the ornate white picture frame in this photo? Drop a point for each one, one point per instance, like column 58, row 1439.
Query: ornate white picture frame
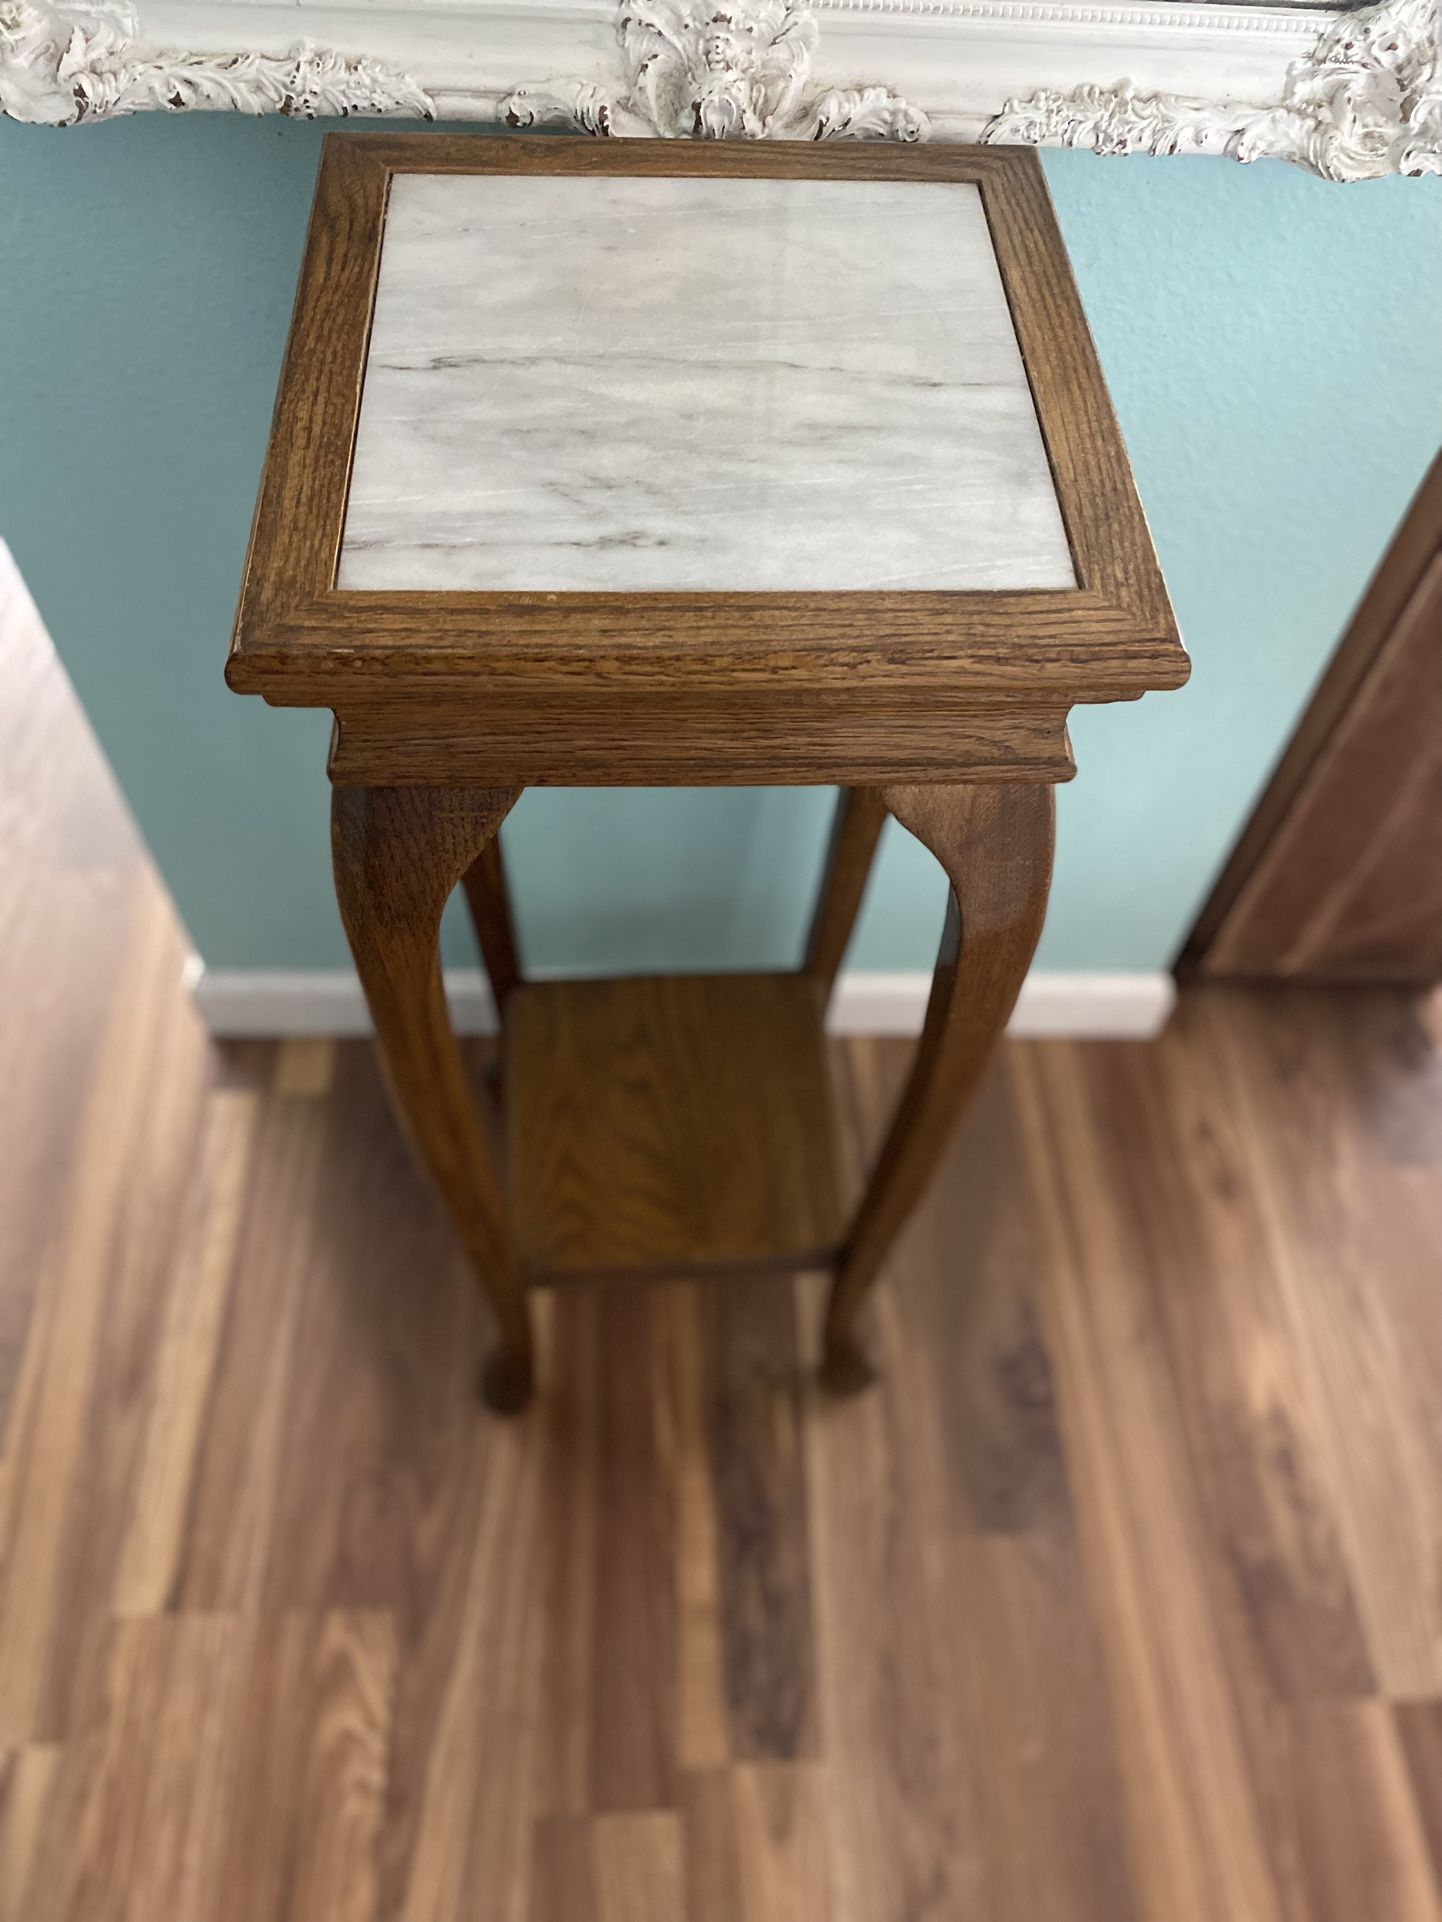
column 1350, row 94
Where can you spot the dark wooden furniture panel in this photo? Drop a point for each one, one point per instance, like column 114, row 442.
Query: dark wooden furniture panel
column 1338, row 877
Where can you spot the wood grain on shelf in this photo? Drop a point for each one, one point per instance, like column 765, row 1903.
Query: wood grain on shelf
column 669, row 1122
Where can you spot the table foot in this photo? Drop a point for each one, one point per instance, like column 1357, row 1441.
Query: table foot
column 506, row 1382
column 845, row 1368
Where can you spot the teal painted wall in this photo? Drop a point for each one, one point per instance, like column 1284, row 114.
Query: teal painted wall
column 1274, row 349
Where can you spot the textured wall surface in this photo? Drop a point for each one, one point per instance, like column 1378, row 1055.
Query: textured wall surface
column 1274, row 350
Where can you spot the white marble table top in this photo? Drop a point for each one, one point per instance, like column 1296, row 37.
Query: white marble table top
column 632, row 384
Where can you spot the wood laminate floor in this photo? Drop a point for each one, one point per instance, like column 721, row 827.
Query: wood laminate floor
column 1120, row 1601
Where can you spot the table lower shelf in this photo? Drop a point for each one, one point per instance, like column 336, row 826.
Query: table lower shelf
column 670, row 1123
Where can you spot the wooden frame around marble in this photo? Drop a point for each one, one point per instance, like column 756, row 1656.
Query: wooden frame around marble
column 934, row 669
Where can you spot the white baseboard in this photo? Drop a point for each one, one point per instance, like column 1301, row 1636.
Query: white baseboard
column 1131, row 1006
column 1054, row 1004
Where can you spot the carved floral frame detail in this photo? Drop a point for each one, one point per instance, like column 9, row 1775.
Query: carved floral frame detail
column 1364, row 101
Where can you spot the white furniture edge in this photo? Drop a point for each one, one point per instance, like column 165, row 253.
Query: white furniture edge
column 1347, row 94
column 244, row 1002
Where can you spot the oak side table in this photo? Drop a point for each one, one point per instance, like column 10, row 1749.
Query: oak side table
column 688, row 464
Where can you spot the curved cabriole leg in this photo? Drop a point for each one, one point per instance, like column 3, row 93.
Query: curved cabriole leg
column 490, row 905
column 398, row 854
column 995, row 844
column 855, row 830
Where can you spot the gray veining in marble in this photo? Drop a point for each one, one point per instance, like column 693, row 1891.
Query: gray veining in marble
column 638, row 384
